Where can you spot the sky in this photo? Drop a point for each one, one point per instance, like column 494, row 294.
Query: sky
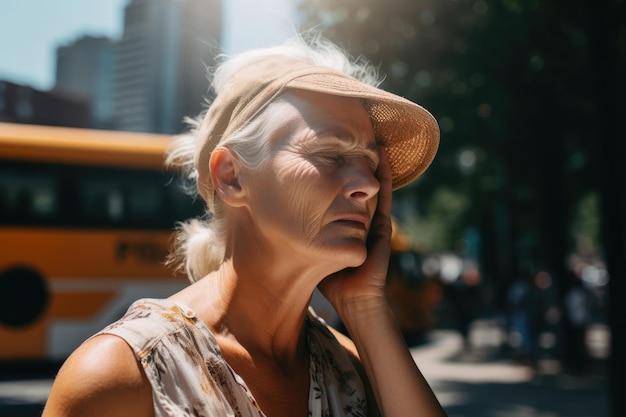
column 31, row 30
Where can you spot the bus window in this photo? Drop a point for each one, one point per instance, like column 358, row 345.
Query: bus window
column 100, row 201
column 44, row 197
column 180, row 205
column 144, row 202
column 27, row 196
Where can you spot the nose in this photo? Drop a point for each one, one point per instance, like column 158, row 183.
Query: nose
column 360, row 182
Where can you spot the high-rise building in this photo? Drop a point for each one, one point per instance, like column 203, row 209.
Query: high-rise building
column 161, row 62
column 84, row 67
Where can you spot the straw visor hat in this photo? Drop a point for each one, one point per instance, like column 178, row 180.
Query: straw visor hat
column 408, row 132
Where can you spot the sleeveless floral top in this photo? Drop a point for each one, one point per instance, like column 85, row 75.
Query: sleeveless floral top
column 189, row 376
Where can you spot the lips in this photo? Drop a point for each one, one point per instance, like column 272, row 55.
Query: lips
column 358, row 220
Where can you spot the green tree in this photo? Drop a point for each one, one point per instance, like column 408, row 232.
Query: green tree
column 512, row 83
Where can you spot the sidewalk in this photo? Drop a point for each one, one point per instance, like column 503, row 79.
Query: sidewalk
column 475, row 382
column 480, row 381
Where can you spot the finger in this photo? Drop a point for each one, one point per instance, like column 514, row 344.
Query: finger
column 383, row 173
column 381, row 225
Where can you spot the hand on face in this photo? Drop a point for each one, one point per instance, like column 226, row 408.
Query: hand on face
column 351, row 288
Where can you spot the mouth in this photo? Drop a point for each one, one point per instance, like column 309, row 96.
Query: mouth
column 353, row 221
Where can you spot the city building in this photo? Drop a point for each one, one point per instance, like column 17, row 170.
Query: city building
column 85, row 67
column 23, row 104
column 160, row 65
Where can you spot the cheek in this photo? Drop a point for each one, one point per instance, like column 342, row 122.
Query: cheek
column 304, row 193
column 298, row 181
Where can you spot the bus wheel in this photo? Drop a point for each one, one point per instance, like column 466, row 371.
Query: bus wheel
column 24, row 296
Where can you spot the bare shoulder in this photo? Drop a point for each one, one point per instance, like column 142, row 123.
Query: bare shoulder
column 102, row 377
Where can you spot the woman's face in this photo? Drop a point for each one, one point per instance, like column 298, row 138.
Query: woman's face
column 317, row 196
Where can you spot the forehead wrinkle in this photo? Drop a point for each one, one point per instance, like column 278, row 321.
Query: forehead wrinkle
column 348, row 130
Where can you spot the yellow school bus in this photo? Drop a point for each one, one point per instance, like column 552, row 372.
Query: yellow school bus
column 86, row 218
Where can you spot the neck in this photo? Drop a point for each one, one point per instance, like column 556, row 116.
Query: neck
column 254, row 308
column 259, row 296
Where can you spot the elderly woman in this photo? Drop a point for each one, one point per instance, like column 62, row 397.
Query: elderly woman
column 296, row 159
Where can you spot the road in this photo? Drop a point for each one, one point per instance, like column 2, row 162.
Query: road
column 470, row 382
column 481, row 382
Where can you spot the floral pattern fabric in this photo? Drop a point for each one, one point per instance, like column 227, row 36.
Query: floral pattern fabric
column 189, row 376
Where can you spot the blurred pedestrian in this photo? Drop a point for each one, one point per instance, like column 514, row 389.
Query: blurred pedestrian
column 520, row 335
column 577, row 317
column 465, row 298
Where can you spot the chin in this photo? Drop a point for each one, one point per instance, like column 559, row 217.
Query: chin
column 350, row 255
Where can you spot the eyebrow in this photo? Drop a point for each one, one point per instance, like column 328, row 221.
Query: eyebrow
column 345, row 136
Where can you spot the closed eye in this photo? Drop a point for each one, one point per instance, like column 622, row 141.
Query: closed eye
column 331, row 158
column 336, row 148
column 336, row 159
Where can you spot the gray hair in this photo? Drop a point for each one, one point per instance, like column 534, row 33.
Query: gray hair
column 200, row 244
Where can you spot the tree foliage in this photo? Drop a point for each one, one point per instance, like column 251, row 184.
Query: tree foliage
column 514, row 86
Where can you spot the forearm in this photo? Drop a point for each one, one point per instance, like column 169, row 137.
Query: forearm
column 398, row 385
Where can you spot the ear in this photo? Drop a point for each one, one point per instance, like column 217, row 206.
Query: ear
column 225, row 173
